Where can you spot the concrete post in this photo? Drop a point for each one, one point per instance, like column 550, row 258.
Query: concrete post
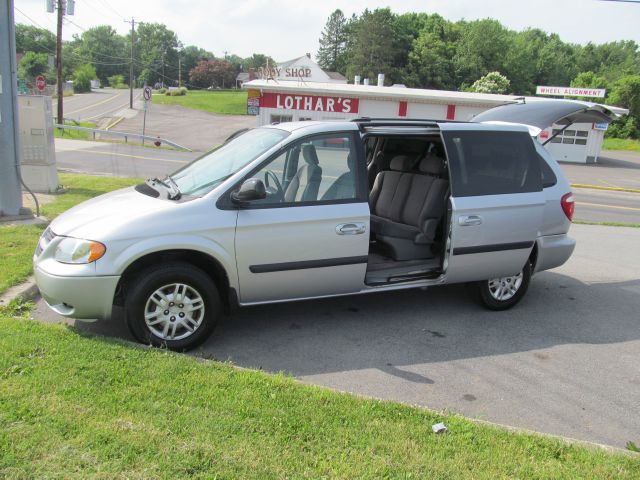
column 10, row 192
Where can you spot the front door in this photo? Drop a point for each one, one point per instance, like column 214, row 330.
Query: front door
column 310, row 236
column 497, row 202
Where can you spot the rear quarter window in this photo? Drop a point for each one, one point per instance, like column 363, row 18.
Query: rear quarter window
column 548, row 177
column 492, row 163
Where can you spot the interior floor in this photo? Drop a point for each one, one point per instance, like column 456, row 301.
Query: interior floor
column 383, row 269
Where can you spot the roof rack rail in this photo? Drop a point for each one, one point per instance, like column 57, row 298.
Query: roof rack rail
column 365, row 122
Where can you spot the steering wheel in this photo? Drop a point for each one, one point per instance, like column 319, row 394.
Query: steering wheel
column 278, row 190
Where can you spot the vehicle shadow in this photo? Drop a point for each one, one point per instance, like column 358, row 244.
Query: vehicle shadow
column 604, row 161
column 386, row 330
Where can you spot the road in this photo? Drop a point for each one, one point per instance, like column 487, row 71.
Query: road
column 97, row 104
column 564, row 361
column 105, row 158
column 606, row 206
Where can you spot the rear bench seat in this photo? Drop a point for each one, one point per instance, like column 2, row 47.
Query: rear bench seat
column 407, row 206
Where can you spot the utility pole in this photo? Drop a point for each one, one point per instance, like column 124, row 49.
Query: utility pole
column 61, row 5
column 179, row 71
column 10, row 194
column 133, row 26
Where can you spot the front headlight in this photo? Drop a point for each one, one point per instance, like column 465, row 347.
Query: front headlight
column 77, row 250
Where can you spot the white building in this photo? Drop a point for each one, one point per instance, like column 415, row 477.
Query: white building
column 282, row 100
column 301, row 69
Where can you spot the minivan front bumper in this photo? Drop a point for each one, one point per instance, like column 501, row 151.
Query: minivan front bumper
column 83, row 298
column 553, row 251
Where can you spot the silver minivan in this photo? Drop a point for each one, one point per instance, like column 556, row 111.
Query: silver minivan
column 305, row 210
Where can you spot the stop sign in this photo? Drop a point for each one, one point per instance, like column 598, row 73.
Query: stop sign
column 41, row 83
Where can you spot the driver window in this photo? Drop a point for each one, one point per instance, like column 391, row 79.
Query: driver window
column 320, row 169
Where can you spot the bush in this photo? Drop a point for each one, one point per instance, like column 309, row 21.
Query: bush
column 82, row 77
column 162, row 91
column 115, row 80
column 178, row 92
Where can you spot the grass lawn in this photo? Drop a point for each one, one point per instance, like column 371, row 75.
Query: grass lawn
column 621, row 144
column 74, row 134
column 17, row 243
column 229, row 102
column 73, row 406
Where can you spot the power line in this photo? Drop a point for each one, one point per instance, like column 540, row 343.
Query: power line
column 108, row 5
column 99, row 6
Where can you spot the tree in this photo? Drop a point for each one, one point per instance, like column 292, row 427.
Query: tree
column 430, row 62
column 82, row 77
column 34, row 39
column 32, row 65
column 212, row 73
column 372, row 49
column 156, row 49
column 492, row 82
column 626, row 93
column 190, row 56
column 256, row 61
column 480, row 49
column 105, row 50
column 333, row 43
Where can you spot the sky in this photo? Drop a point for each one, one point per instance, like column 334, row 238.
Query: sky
column 286, row 29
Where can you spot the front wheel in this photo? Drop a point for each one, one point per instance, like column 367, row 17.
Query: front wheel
column 174, row 305
column 504, row 292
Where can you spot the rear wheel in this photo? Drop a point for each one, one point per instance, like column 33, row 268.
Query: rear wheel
column 175, row 305
column 503, row 292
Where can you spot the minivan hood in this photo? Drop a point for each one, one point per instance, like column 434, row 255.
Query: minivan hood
column 97, row 218
column 542, row 113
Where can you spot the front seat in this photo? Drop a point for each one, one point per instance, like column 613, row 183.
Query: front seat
column 345, row 186
column 304, row 185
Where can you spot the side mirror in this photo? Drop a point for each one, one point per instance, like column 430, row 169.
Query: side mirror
column 251, row 189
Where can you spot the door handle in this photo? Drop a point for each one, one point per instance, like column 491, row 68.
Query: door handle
column 350, row 228
column 469, row 220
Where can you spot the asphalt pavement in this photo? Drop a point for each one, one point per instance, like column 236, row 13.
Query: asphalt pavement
column 97, row 104
column 564, row 361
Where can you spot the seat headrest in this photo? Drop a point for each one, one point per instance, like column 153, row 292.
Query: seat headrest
column 401, row 163
column 309, row 154
column 432, row 164
column 351, row 162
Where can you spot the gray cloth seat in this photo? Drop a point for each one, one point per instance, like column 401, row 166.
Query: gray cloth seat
column 407, row 206
column 345, row 186
column 305, row 184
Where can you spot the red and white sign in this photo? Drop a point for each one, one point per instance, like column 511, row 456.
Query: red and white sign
column 314, row 103
column 41, row 83
column 571, row 91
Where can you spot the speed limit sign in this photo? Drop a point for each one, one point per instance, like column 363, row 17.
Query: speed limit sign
column 146, row 93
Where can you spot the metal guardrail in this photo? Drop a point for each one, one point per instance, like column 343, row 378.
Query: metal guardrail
column 126, row 135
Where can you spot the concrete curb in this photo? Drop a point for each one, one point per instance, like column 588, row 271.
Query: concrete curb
column 26, row 291
column 610, row 189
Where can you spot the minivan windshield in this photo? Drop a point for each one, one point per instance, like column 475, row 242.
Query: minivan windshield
column 207, row 172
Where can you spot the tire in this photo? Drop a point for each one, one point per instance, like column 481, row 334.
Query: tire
column 502, row 293
column 175, row 305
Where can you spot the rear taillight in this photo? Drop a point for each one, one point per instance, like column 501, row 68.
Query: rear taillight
column 568, row 205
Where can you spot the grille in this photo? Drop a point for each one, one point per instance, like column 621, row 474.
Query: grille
column 45, row 239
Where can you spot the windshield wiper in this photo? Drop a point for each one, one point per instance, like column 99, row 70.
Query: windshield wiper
column 173, row 189
column 168, row 183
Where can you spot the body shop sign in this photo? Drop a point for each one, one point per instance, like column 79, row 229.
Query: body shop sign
column 314, row 103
